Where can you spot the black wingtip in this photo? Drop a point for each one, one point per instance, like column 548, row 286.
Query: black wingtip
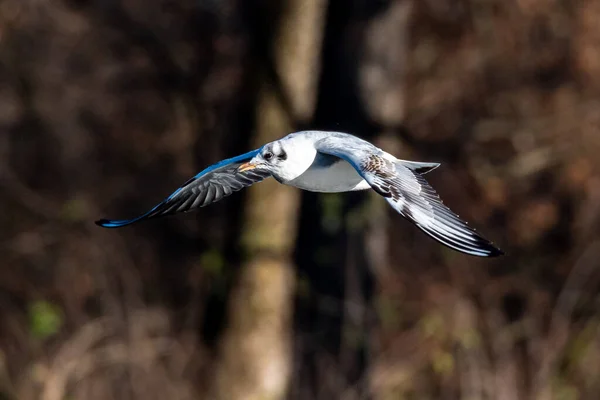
column 107, row 223
column 487, row 248
column 104, row 223
column 496, row 252
column 477, row 246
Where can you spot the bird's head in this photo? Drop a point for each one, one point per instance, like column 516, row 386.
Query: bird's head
column 285, row 159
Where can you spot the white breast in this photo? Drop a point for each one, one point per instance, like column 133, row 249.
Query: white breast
column 337, row 177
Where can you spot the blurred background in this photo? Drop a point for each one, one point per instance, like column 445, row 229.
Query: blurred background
column 108, row 106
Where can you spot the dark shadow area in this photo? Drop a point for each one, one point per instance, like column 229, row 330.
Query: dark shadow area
column 326, row 269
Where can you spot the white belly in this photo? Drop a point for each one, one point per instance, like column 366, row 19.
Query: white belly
column 338, row 177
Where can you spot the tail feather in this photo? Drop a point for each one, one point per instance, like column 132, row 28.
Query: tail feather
column 419, row 167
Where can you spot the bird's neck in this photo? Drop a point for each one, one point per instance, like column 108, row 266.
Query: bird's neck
column 298, row 162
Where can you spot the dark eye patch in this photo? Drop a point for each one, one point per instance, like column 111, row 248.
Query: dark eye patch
column 283, row 155
column 268, row 155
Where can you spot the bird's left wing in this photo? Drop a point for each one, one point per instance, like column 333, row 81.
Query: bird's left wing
column 209, row 186
column 407, row 191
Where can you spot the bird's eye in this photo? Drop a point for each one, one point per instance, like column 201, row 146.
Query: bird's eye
column 268, row 155
column 283, row 155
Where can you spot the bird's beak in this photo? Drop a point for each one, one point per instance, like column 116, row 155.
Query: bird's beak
column 247, row 166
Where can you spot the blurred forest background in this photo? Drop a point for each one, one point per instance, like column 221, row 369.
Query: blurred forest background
column 107, row 106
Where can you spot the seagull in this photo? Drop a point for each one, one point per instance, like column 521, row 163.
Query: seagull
column 329, row 162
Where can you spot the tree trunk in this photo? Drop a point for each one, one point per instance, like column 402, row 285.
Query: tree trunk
column 255, row 358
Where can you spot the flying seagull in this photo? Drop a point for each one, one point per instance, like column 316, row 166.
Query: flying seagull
column 331, row 162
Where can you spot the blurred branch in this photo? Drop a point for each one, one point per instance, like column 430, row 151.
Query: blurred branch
column 559, row 334
column 98, row 345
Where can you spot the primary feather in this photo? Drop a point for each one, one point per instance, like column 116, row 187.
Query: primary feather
column 209, row 186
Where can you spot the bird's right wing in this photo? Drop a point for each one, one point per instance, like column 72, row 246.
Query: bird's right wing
column 209, row 186
column 407, row 191
column 412, row 196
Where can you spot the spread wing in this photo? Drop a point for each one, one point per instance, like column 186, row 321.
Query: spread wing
column 209, row 186
column 411, row 195
column 407, row 191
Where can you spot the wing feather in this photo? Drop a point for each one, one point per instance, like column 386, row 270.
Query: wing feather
column 211, row 185
column 407, row 191
column 415, row 199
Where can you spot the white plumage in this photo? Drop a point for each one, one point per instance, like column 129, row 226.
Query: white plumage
column 322, row 161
